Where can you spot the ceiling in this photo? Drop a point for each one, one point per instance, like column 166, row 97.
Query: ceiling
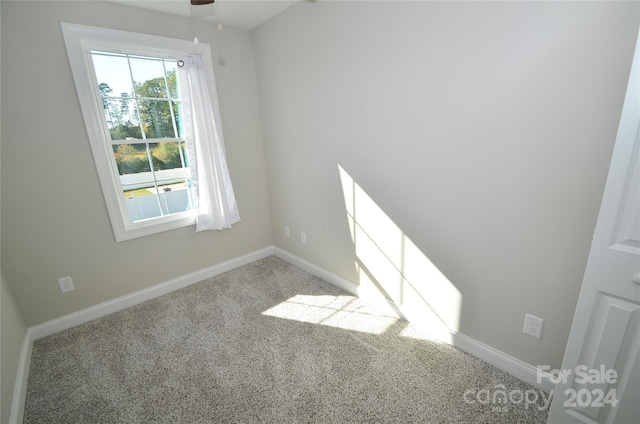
column 245, row 14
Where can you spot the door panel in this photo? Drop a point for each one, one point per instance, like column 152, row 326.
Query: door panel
column 611, row 344
column 627, row 230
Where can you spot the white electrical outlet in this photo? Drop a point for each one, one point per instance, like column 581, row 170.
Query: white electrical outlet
column 532, row 326
column 66, row 284
column 303, row 238
column 287, row 233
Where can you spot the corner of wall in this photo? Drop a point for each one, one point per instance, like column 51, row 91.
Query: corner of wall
column 16, row 345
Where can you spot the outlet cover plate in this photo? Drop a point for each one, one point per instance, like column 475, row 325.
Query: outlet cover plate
column 66, row 284
column 533, row 326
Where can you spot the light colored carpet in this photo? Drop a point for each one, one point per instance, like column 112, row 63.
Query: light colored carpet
column 265, row 343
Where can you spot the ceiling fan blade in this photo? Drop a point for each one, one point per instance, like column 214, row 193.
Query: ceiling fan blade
column 201, row 2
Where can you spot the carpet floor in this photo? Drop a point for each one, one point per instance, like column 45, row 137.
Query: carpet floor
column 265, row 343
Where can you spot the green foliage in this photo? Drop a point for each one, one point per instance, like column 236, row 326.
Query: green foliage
column 125, row 131
column 153, row 112
column 132, row 165
column 153, row 109
column 126, row 149
column 156, row 114
column 132, row 160
column 169, row 154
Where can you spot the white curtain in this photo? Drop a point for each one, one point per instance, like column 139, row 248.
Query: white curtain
column 214, row 201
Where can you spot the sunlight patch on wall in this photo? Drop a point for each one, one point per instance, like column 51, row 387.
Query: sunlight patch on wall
column 390, row 265
column 345, row 312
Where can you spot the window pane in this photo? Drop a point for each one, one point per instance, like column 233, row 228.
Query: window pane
column 172, row 73
column 136, row 178
column 148, row 75
column 177, row 112
column 122, row 118
column 187, row 160
column 166, row 156
column 112, row 73
column 156, row 118
column 151, row 194
column 175, row 198
column 143, row 207
column 173, row 188
column 132, row 159
column 149, row 202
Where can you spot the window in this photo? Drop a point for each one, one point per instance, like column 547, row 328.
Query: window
column 142, row 110
column 150, row 108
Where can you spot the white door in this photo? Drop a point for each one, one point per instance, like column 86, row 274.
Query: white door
column 600, row 377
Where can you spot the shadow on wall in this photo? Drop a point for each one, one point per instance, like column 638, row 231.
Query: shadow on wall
column 392, row 268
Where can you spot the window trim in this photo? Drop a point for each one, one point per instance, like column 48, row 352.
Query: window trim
column 80, row 39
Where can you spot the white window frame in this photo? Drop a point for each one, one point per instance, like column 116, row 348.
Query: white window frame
column 80, row 40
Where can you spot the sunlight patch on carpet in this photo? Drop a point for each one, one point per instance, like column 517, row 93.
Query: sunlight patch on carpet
column 345, row 312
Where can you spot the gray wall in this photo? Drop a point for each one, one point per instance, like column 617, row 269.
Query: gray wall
column 58, row 225
column 482, row 130
column 13, row 332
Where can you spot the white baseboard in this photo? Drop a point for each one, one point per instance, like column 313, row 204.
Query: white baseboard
column 507, row 363
column 68, row 321
column 22, row 375
column 385, row 304
column 327, row 276
column 120, row 303
column 501, row 360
